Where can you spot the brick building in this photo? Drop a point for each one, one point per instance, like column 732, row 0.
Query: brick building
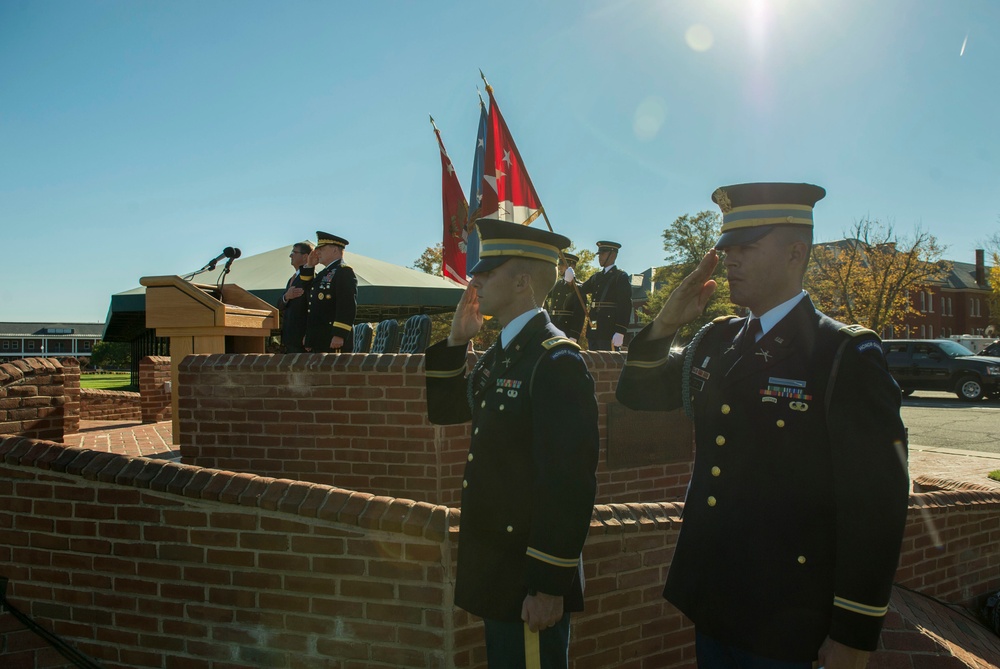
column 32, row 340
column 957, row 305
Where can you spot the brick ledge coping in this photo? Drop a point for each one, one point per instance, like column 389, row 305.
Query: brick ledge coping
column 365, row 510
column 269, row 362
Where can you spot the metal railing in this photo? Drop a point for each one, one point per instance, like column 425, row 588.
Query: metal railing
column 62, row 647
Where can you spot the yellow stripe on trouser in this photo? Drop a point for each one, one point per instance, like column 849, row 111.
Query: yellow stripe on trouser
column 532, row 650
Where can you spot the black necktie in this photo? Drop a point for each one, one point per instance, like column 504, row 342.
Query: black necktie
column 750, row 335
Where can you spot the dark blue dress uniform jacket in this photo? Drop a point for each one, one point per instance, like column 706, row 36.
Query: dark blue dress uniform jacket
column 795, row 512
column 529, row 483
column 610, row 302
column 333, row 306
column 566, row 308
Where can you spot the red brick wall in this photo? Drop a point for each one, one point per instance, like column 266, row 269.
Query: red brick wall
column 952, row 545
column 32, row 398
column 144, row 563
column 154, row 388
column 360, row 422
column 109, row 405
column 71, row 388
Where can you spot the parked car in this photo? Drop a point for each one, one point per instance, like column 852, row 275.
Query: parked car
column 941, row 364
column 993, row 350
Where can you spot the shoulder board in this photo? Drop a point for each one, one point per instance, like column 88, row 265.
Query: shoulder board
column 343, row 266
column 722, row 319
column 857, row 330
column 559, row 341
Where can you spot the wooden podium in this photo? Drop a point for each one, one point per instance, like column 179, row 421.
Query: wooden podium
column 201, row 318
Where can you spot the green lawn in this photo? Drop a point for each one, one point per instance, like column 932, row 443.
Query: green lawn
column 106, row 381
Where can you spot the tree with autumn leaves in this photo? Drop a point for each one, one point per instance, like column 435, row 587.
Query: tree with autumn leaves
column 866, row 278
column 993, row 248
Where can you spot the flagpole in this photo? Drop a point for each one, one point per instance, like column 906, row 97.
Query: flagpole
column 548, row 223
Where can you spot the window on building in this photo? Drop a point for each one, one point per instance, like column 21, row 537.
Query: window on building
column 923, row 301
column 979, row 311
column 15, row 346
column 86, row 346
column 923, row 329
column 930, row 303
column 950, row 312
column 930, row 332
column 6, row 346
column 30, row 346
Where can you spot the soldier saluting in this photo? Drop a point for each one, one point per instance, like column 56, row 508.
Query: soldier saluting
column 529, row 481
column 333, row 297
column 795, row 512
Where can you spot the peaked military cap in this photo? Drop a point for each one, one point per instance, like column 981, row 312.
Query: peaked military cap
column 571, row 258
column 502, row 240
column 750, row 211
column 608, row 246
column 324, row 238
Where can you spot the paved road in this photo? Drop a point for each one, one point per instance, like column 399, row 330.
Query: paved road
column 942, row 420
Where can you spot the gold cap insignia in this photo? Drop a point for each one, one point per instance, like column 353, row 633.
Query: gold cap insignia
column 721, row 198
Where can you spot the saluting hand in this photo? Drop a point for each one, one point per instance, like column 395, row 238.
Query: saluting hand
column 688, row 300
column 467, row 321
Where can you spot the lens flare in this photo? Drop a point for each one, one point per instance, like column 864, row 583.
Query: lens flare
column 649, row 118
column 699, row 38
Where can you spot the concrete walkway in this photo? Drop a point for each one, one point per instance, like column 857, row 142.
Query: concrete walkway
column 152, row 440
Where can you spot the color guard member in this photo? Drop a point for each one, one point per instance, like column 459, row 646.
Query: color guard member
column 566, row 300
column 610, row 301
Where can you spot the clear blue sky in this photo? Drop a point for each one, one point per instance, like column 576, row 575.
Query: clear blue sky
column 140, row 138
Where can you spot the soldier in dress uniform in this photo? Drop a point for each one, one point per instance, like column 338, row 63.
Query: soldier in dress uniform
column 529, row 483
column 333, row 297
column 795, row 512
column 566, row 300
column 292, row 305
column 610, row 301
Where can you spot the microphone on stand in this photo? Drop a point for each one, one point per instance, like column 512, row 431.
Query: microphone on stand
column 232, row 254
column 228, row 252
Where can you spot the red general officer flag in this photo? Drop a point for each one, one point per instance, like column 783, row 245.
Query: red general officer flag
column 508, row 193
column 456, row 210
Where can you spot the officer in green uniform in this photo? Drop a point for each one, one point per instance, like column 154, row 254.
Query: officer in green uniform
column 795, row 511
column 565, row 300
column 610, row 302
column 333, row 297
column 529, row 483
